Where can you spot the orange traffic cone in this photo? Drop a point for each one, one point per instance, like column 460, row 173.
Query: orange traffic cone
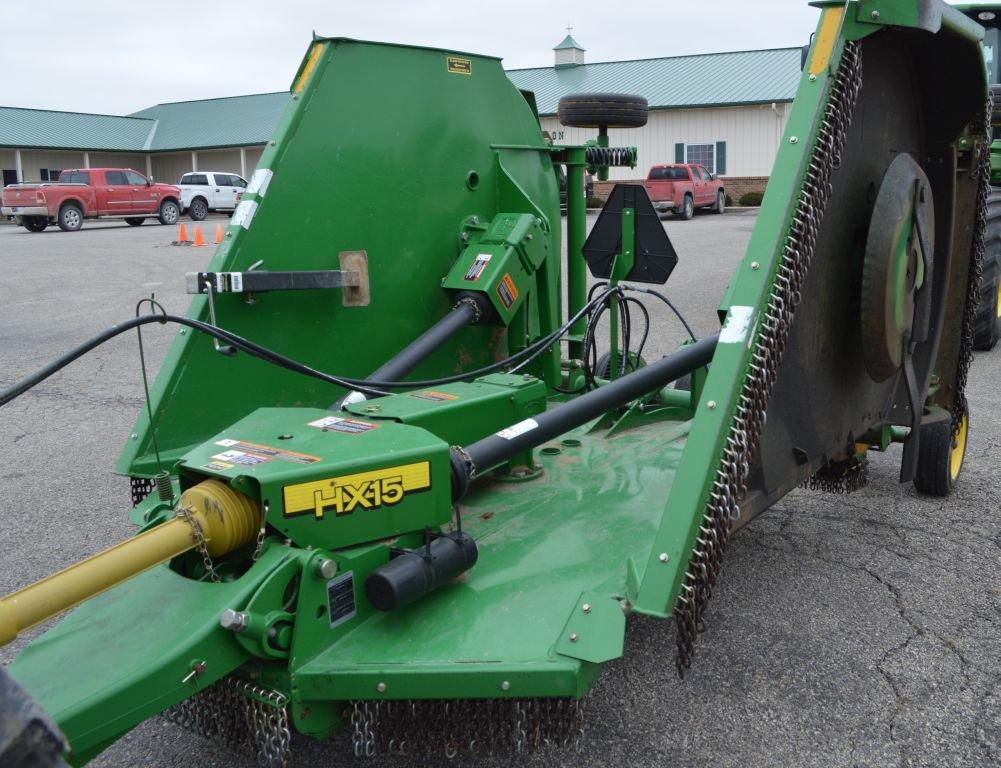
column 199, row 237
column 182, row 234
column 218, row 234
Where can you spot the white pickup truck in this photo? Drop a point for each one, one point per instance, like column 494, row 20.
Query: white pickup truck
column 204, row 191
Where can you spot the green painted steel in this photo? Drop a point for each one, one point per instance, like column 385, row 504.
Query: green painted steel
column 594, row 524
column 195, row 395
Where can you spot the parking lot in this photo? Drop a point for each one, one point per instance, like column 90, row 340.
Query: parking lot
column 857, row 630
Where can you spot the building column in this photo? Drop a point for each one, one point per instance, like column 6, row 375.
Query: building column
column 86, row 159
column 17, row 166
column 243, row 162
column 194, row 161
column 149, row 166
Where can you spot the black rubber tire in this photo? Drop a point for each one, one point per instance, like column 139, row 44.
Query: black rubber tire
column 70, row 217
column 198, row 209
column 135, row 221
column 592, row 110
column 169, row 212
column 934, row 476
column 34, row 223
column 720, row 206
column 987, row 323
column 687, row 209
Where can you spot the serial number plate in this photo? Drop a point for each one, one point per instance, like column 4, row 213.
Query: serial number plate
column 341, row 598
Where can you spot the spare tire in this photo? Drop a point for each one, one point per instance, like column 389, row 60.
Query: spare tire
column 593, row 110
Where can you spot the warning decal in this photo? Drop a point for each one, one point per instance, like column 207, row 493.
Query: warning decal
column 437, row 397
column 364, row 490
column 507, row 291
column 262, row 453
column 339, row 424
column 476, row 268
column 459, row 66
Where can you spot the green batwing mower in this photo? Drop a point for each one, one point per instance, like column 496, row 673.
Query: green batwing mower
column 385, row 483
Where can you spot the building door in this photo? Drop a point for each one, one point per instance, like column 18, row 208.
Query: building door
column 9, row 176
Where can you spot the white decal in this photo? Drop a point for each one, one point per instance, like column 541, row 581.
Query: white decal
column 259, row 182
column 518, row 429
column 244, row 213
column 736, row 326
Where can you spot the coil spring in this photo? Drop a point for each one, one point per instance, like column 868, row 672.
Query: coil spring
column 611, row 156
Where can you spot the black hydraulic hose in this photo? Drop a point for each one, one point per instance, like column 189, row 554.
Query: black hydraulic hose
column 420, row 349
column 485, row 454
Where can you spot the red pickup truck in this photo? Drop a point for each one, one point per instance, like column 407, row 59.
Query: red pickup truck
column 91, row 193
column 683, row 188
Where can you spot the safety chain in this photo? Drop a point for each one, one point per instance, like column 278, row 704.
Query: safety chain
column 842, row 477
column 141, row 488
column 976, row 272
column 185, row 514
column 428, row 728
column 246, row 718
column 730, row 483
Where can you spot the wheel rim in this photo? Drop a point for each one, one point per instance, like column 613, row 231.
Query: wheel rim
column 170, row 213
column 689, row 205
column 71, row 217
column 200, row 209
column 958, row 449
column 720, row 202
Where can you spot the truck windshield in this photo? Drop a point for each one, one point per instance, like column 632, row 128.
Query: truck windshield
column 668, row 174
column 74, row 177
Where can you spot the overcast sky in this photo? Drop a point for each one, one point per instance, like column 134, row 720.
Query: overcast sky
column 117, row 57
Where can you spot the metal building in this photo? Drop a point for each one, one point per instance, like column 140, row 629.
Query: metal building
column 726, row 111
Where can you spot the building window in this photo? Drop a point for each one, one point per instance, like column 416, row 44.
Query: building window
column 701, row 154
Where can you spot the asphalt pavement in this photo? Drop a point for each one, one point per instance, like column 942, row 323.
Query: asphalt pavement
column 857, row 630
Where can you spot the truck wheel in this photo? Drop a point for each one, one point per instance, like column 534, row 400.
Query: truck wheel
column 987, row 323
column 687, row 209
column 592, row 110
column 198, row 209
column 720, row 206
column 70, row 218
column 169, row 212
column 34, row 223
column 940, row 457
column 135, row 221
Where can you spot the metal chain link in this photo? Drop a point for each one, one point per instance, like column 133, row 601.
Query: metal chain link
column 246, row 718
column 450, row 728
column 730, row 483
column 982, row 172
column 185, row 514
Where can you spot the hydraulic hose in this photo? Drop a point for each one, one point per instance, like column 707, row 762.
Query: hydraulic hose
column 480, row 457
column 463, row 314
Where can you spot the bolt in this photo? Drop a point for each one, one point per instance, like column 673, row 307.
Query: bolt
column 526, row 376
column 381, row 687
column 755, row 265
column 272, row 142
column 813, row 78
column 875, row 15
column 586, row 607
column 505, row 686
column 464, row 237
column 326, row 568
column 295, row 97
column 574, row 637
column 664, row 557
column 711, row 405
column 528, row 236
column 373, row 408
column 794, row 139
column 233, row 620
column 135, row 436
column 475, row 220
column 183, row 331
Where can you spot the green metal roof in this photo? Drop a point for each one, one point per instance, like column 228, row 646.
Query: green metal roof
column 709, row 79
column 227, row 122
column 43, row 128
column 569, row 42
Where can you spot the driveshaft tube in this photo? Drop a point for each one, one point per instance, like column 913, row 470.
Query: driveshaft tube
column 483, row 455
